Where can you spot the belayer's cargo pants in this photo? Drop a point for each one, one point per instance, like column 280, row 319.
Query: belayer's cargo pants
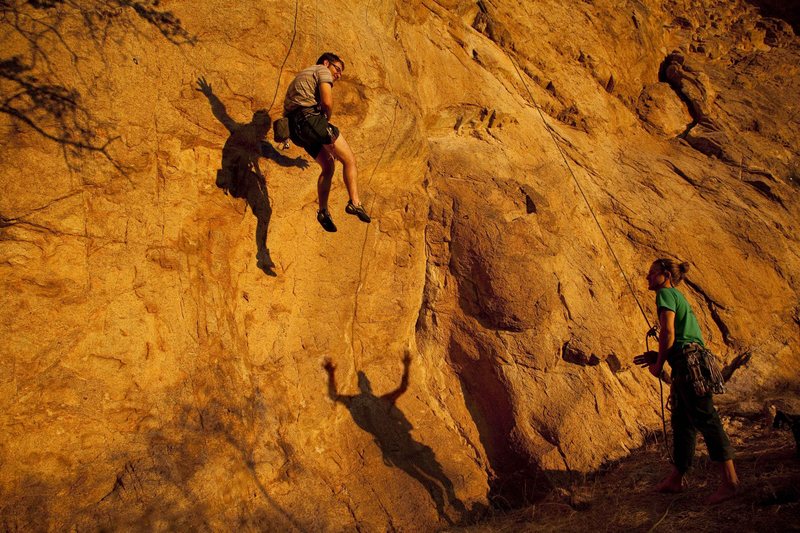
column 690, row 414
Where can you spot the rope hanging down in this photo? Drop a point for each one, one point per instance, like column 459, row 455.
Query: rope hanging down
column 583, row 194
column 371, row 204
column 291, row 44
column 605, row 237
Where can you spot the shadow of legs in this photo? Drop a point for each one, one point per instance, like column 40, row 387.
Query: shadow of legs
column 258, row 199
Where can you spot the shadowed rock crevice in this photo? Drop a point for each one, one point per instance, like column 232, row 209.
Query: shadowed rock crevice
column 688, row 85
column 788, row 10
column 713, row 308
column 765, row 190
column 487, row 25
column 514, row 479
column 573, row 352
column 695, row 89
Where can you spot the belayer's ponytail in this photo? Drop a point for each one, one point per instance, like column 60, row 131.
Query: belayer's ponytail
column 677, row 271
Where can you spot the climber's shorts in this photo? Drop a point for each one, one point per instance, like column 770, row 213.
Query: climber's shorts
column 309, row 128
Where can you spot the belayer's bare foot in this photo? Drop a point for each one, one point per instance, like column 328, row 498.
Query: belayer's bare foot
column 725, row 491
column 672, row 484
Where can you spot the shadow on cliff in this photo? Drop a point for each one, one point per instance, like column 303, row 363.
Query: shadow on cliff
column 514, row 479
column 788, row 10
column 179, row 474
column 219, row 443
column 240, row 175
column 391, row 430
column 27, row 504
column 32, row 92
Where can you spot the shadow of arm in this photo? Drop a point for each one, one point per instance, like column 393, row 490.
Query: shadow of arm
column 403, row 387
column 269, row 151
column 330, row 368
column 217, row 107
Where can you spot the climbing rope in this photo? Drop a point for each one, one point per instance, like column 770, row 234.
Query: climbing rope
column 366, row 232
column 371, row 204
column 583, row 194
column 652, row 332
column 291, row 44
column 605, row 237
column 316, row 26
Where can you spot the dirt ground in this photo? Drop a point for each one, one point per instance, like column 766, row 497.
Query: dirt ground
column 620, row 497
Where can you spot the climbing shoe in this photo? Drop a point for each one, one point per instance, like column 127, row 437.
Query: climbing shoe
column 357, row 210
column 325, row 220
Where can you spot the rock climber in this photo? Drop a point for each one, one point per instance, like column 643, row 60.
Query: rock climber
column 679, row 335
column 308, row 106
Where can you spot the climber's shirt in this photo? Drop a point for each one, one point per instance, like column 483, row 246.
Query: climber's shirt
column 304, row 89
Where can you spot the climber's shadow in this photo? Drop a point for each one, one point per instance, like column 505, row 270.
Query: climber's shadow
column 240, row 175
column 391, row 430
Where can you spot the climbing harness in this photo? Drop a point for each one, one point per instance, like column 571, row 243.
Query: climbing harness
column 702, row 370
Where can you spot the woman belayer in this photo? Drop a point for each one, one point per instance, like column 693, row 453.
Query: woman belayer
column 694, row 379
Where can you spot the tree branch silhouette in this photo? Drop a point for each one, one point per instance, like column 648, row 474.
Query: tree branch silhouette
column 31, row 92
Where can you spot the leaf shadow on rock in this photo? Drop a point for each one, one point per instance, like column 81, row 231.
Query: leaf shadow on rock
column 240, row 175
column 33, row 90
column 217, row 440
column 391, row 431
column 25, row 506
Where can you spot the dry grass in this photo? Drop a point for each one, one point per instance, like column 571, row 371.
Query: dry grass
column 620, row 497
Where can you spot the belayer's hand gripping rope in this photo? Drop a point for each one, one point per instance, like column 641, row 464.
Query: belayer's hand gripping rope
column 653, row 332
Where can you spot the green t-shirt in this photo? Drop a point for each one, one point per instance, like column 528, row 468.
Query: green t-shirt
column 686, row 328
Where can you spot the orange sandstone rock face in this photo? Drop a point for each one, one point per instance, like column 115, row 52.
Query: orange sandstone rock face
column 162, row 366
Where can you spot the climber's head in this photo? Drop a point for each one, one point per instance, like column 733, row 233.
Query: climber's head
column 334, row 64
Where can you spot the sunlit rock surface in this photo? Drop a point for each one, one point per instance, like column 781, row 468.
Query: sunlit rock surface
column 161, row 367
